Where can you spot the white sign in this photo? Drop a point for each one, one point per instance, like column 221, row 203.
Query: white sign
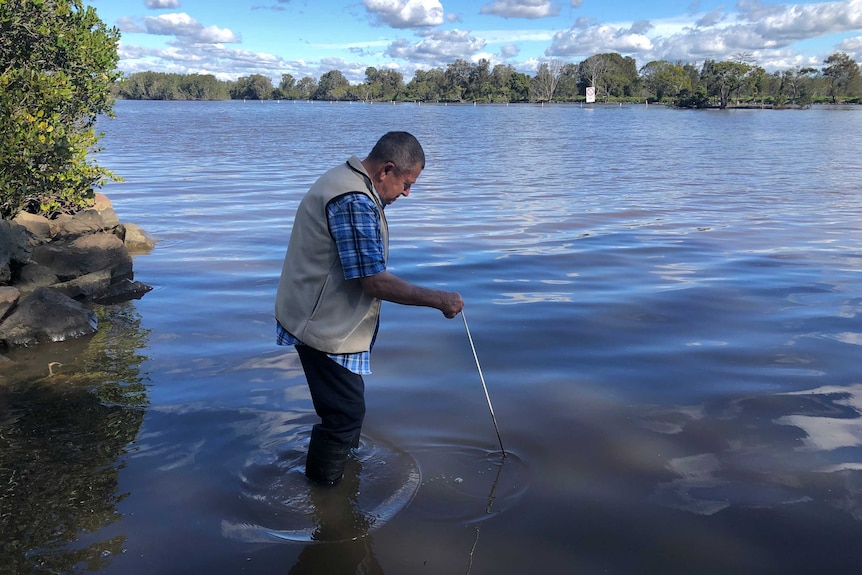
column 591, row 94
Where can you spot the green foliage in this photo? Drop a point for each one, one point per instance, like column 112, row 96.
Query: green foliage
column 455, row 81
column 664, row 79
column 381, row 85
column 332, row 86
column 843, row 77
column 519, row 87
column 426, row 85
column 613, row 76
column 254, row 87
column 723, row 79
column 57, row 66
column 792, row 87
column 162, row 86
column 479, row 82
column 286, row 89
column 697, row 99
column 568, row 87
column 306, row 87
column 621, row 78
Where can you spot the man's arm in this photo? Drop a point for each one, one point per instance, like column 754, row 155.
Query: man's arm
column 389, row 287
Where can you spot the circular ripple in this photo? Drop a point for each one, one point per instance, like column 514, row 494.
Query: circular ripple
column 467, row 484
column 283, row 505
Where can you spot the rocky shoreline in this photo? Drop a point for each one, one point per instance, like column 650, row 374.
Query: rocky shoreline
column 52, row 271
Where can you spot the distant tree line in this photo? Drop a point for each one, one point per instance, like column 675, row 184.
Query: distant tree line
column 736, row 82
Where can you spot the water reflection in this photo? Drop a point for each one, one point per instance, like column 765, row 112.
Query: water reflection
column 840, row 429
column 765, row 452
column 281, row 505
column 342, row 530
column 347, row 557
column 68, row 411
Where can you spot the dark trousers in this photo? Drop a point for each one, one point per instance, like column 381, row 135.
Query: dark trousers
column 338, row 395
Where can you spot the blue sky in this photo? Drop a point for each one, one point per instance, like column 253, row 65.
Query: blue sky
column 309, row 37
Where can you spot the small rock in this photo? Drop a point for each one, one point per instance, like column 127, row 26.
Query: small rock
column 87, row 286
column 14, row 248
column 123, row 290
column 8, row 298
column 103, row 205
column 136, row 239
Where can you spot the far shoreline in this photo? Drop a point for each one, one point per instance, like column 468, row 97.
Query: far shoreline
column 578, row 104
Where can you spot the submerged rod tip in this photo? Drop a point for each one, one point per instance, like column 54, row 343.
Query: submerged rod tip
column 482, row 379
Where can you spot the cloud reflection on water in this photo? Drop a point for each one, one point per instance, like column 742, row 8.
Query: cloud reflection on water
column 808, row 453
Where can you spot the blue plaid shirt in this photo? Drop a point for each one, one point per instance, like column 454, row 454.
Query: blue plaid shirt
column 354, row 224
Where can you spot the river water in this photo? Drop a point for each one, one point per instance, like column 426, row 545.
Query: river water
column 666, row 307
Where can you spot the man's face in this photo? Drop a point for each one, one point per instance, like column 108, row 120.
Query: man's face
column 394, row 183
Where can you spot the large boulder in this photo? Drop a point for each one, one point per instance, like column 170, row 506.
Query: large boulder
column 84, row 222
column 32, row 275
column 38, row 226
column 46, row 316
column 69, row 258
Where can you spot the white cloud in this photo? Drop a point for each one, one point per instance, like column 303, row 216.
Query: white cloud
column 851, row 45
column 796, row 22
column 406, row 13
column 522, row 8
column 597, row 39
column 641, row 27
column 754, row 10
column 712, row 18
column 511, row 36
column 352, row 71
column 187, row 28
column 129, row 25
column 510, row 51
column 438, row 48
column 159, row 4
column 785, row 60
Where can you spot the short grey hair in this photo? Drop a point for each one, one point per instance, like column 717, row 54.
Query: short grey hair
column 400, row 148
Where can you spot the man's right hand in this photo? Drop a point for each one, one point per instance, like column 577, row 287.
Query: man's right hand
column 452, row 304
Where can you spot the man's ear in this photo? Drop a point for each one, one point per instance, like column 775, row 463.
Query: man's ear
column 389, row 167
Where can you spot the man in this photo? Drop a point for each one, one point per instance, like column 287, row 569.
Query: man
column 332, row 283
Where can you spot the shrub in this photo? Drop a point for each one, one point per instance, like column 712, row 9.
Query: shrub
column 57, row 65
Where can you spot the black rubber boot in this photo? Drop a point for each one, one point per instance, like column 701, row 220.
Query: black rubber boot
column 326, row 459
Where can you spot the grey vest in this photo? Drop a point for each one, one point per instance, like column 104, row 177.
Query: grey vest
column 314, row 302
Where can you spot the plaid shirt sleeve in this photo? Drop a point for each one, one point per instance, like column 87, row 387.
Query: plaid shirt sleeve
column 354, row 224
